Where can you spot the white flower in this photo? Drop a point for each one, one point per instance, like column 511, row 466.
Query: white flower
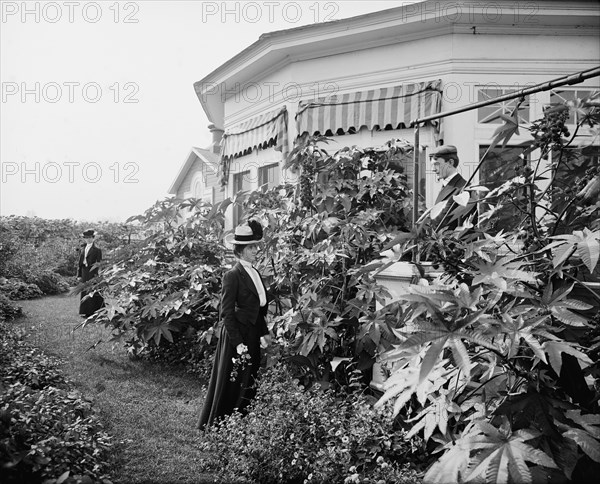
column 242, row 348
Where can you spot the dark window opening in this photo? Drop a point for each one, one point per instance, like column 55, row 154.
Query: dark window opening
column 241, row 183
column 501, row 165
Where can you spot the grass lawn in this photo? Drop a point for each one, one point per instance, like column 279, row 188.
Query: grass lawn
column 150, row 409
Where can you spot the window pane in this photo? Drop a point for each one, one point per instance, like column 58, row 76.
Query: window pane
column 268, row 177
column 491, row 114
column 562, row 96
column 241, row 182
column 500, row 165
column 571, row 166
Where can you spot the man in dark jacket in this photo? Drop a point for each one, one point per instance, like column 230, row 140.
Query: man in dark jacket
column 90, row 255
column 444, row 163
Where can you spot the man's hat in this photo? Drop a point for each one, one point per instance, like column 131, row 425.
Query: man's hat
column 249, row 233
column 89, row 233
column 445, row 151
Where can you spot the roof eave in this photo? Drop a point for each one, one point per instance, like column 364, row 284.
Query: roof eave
column 404, row 23
column 185, row 168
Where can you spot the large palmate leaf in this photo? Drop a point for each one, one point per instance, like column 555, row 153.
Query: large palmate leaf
column 440, row 336
column 506, row 131
column 587, row 443
column 585, row 108
column 442, row 317
column 589, row 422
column 560, row 307
column 113, row 307
column 451, row 467
column 500, row 273
column 554, row 349
column 587, row 438
column 585, row 244
column 434, row 415
column 494, row 455
column 519, row 330
column 405, row 381
column 317, row 334
column 158, row 331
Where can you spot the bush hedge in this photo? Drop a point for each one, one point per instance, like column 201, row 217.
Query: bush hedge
column 18, row 290
column 48, row 432
column 296, row 435
column 50, row 283
column 8, row 309
column 189, row 350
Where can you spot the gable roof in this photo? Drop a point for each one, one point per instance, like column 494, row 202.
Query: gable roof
column 206, row 157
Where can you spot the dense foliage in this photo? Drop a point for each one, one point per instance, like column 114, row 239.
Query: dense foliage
column 45, row 253
column 8, row 309
column 496, row 360
column 321, row 234
column 167, row 292
column 292, row 434
column 18, row 290
column 48, row 431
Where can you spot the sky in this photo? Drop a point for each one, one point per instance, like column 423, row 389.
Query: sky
column 98, row 111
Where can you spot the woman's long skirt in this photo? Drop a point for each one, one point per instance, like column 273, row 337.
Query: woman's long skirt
column 89, row 305
column 223, row 395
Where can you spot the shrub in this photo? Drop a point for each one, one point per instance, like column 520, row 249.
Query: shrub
column 39, row 245
column 18, row 290
column 494, row 360
column 322, row 233
column 26, row 365
column 9, row 247
column 67, row 267
column 8, row 310
column 49, row 282
column 172, row 282
column 295, row 435
column 190, row 349
column 47, row 430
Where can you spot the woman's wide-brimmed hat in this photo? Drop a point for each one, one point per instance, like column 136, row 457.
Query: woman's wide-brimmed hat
column 245, row 234
column 89, row 233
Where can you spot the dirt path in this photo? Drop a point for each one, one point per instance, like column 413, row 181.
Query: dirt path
column 148, row 407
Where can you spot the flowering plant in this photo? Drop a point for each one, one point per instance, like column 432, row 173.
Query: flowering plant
column 294, row 434
column 240, row 362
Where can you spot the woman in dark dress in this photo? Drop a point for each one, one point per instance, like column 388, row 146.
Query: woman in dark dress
column 243, row 329
column 89, row 257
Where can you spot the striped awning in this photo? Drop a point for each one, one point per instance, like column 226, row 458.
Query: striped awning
column 394, row 106
column 259, row 132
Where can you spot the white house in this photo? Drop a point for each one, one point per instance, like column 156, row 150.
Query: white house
column 198, row 177
column 364, row 79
